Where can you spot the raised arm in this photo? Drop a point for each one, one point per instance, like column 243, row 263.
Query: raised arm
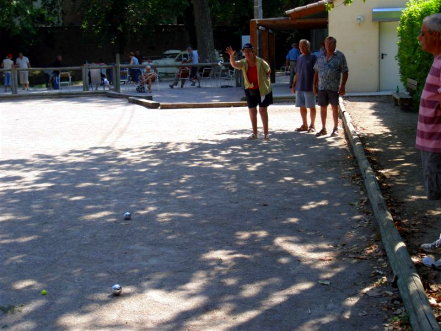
column 235, row 64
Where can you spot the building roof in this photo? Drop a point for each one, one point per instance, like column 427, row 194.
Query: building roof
column 313, row 15
column 309, row 9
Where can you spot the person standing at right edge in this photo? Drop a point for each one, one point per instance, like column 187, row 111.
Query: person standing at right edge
column 256, row 75
column 428, row 137
column 331, row 74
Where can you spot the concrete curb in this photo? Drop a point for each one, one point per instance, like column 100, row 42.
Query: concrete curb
column 50, row 95
column 409, row 283
column 122, row 95
column 129, row 96
column 148, row 103
column 203, row 104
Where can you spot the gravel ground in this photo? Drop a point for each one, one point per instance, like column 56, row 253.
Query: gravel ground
column 226, row 234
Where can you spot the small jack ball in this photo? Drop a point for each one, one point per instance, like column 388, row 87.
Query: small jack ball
column 127, row 215
column 116, row 289
column 43, row 292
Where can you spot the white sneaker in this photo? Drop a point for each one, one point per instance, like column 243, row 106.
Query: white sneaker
column 434, row 247
column 431, row 263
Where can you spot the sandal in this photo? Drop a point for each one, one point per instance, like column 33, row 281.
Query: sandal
column 302, row 128
column 252, row 137
column 321, row 133
column 311, row 129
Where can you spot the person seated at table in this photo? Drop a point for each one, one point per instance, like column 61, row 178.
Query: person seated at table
column 182, row 75
column 148, row 77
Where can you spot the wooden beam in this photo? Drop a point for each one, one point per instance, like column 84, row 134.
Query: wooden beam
column 310, row 9
column 253, row 32
column 289, row 24
column 272, row 54
column 265, row 50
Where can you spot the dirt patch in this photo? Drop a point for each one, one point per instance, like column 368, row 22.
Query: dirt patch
column 225, row 233
column 388, row 135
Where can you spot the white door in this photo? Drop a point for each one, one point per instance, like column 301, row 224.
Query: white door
column 389, row 69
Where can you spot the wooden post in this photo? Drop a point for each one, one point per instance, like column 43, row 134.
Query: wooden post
column 253, row 33
column 113, row 77
column 85, row 77
column 117, row 76
column 272, row 54
column 14, row 79
column 264, row 45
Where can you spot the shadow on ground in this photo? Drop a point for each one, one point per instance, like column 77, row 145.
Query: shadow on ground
column 389, row 136
column 224, row 235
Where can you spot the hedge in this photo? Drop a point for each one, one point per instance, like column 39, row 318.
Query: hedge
column 413, row 62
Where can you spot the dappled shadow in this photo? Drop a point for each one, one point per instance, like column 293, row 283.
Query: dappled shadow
column 389, row 136
column 226, row 234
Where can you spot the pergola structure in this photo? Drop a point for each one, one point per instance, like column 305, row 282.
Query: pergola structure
column 311, row 16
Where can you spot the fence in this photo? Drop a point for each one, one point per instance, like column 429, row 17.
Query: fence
column 116, row 77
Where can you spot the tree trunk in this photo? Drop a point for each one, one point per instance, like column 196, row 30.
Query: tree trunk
column 204, row 31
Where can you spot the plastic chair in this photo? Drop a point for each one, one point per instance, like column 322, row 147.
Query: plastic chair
column 206, row 75
column 124, row 76
column 226, row 76
column 65, row 78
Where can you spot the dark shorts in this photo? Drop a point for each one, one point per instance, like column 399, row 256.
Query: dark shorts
column 432, row 174
column 326, row 97
column 253, row 98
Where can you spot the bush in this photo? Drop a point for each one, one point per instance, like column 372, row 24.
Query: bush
column 413, row 62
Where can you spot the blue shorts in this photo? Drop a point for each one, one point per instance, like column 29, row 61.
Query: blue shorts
column 7, row 79
column 305, row 99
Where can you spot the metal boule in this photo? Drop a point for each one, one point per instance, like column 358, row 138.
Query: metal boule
column 116, row 289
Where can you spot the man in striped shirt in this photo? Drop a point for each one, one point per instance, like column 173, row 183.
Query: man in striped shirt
column 428, row 137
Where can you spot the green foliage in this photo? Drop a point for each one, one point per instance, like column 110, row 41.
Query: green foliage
column 330, row 5
column 239, row 13
column 21, row 17
column 413, row 62
column 112, row 21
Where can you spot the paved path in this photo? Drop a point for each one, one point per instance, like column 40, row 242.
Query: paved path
column 227, row 234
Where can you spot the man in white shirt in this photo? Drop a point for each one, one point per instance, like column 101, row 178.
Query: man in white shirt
column 22, row 62
column 7, row 64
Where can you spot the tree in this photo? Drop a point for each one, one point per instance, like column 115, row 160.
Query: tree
column 204, row 30
column 24, row 17
column 112, row 21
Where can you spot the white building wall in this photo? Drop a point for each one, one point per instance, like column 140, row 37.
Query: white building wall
column 359, row 41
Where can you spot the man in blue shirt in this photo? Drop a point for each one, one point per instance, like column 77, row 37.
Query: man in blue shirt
column 302, row 86
column 291, row 62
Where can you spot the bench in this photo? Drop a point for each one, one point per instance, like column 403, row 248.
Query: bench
column 404, row 99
